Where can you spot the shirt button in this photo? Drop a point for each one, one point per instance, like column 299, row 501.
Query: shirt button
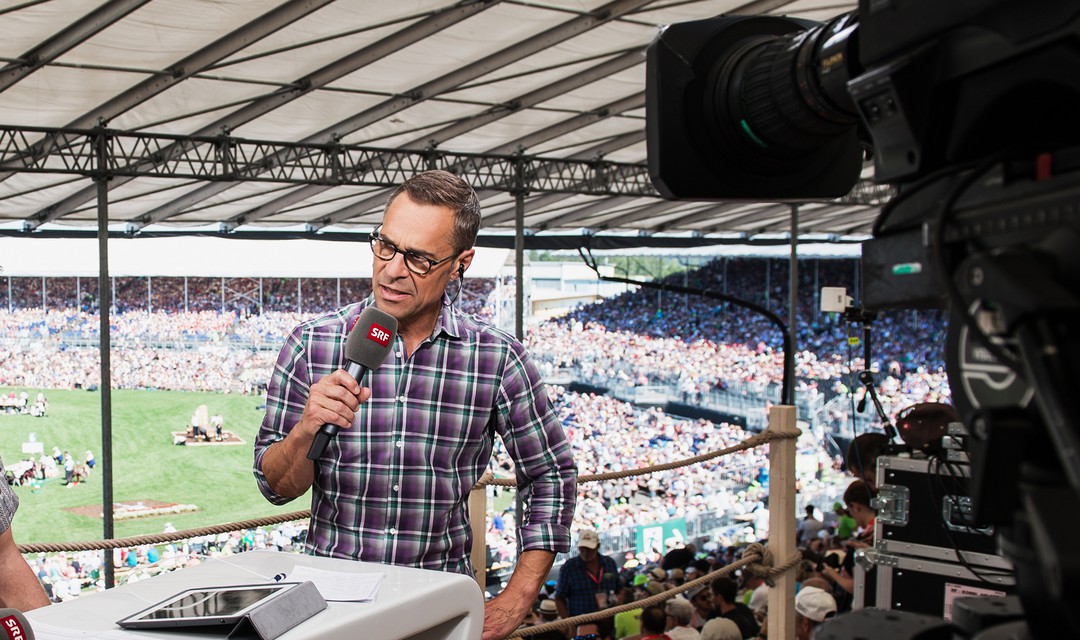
column 400, row 443
column 397, row 487
column 401, row 399
column 398, row 354
column 393, row 531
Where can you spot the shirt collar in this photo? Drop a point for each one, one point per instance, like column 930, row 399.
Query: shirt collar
column 448, row 322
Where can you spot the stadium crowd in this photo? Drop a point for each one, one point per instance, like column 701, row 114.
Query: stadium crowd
column 190, row 341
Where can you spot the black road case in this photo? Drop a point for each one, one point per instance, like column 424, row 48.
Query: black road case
column 924, row 510
column 925, row 586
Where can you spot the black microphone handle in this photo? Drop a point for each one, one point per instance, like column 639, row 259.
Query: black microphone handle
column 328, row 431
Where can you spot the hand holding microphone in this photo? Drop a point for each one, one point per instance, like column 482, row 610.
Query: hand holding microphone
column 13, row 625
column 367, row 346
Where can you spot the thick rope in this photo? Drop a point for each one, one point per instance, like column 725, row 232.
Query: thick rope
column 764, row 437
column 161, row 538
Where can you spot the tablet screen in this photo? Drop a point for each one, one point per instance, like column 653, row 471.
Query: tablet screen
column 215, row 605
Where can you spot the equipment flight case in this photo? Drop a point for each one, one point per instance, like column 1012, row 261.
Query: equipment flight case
column 924, row 510
column 927, row 551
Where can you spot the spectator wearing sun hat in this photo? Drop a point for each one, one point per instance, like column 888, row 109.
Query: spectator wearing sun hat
column 548, row 611
column 588, row 580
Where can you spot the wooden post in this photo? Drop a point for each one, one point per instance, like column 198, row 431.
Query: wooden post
column 782, row 520
column 478, row 520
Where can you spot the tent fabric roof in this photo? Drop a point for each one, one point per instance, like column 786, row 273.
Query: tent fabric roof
column 550, row 79
column 209, row 257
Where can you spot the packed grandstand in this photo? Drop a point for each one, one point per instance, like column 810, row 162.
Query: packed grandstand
column 184, row 334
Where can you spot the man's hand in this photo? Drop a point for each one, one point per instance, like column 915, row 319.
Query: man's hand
column 334, row 399
column 499, row 619
column 504, row 613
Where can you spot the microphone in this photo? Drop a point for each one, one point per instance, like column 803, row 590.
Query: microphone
column 14, row 626
column 369, row 341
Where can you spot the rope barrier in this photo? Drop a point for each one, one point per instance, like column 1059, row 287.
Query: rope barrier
column 762, row 438
column 162, row 538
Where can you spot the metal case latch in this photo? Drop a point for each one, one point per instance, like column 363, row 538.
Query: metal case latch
column 892, row 504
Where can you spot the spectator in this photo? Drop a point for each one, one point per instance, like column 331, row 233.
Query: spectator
column 680, row 614
column 587, row 580
column 19, row 587
column 725, row 605
column 812, row 607
column 721, row 629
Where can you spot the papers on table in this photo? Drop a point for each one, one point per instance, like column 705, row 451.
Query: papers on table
column 339, row 586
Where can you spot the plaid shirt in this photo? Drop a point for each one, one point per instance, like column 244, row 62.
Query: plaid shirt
column 394, row 488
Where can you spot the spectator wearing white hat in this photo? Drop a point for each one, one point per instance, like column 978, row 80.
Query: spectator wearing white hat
column 812, row 607
column 721, row 629
column 587, row 581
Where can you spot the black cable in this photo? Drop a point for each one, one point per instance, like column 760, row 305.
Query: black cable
column 945, row 270
column 786, row 395
column 982, row 574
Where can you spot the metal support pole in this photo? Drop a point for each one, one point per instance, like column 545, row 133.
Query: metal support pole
column 793, row 301
column 105, row 302
column 519, row 266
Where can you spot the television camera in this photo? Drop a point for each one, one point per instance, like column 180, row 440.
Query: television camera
column 972, row 111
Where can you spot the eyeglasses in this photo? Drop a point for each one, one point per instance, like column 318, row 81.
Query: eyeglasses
column 386, row 250
column 591, row 636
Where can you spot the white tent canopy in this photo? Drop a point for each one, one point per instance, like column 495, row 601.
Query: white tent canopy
column 207, row 257
column 421, row 79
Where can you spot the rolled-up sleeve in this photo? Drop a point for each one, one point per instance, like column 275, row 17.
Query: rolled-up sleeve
column 534, row 438
column 286, row 396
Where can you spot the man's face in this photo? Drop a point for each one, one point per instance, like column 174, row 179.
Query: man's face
column 588, row 554
column 413, row 299
column 703, row 601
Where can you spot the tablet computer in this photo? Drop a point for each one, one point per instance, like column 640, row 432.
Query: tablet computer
column 207, row 606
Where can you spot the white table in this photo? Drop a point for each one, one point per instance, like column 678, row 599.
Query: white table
column 412, row 604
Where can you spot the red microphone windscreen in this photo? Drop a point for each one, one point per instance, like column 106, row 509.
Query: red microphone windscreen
column 13, row 625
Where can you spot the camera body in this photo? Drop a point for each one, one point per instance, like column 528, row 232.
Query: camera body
column 969, row 110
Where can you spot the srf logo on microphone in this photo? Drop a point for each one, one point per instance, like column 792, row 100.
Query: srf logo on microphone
column 379, row 334
column 12, row 628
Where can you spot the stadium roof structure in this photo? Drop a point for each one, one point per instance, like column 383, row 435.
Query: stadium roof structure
column 293, row 118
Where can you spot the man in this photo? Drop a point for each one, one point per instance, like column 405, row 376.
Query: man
column 862, row 455
column 599, row 630
column 845, row 525
column 857, row 497
column 701, row 599
column 812, row 607
column 723, row 629
column 809, row 527
column 392, row 486
column 587, row 579
column 680, row 613
column 653, row 623
column 725, row 605
column 19, row 587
